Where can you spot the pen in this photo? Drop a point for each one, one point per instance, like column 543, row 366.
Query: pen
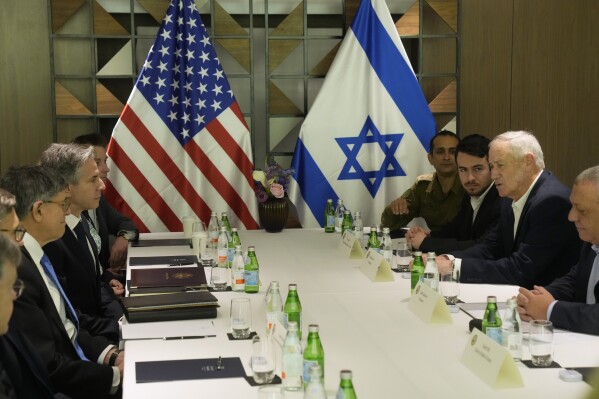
column 182, row 264
column 190, row 337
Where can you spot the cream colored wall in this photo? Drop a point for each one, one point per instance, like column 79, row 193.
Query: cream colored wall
column 25, row 99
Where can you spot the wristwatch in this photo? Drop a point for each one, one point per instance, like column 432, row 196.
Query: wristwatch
column 113, row 357
column 126, row 234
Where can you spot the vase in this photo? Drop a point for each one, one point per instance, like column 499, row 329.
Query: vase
column 273, row 214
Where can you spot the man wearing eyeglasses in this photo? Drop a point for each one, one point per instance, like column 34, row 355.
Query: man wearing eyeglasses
column 80, row 364
column 75, row 255
column 479, row 211
column 9, row 222
column 22, row 374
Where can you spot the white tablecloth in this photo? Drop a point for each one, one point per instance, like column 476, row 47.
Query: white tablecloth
column 364, row 326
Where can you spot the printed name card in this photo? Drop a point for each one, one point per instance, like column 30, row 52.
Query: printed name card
column 429, row 305
column 350, row 247
column 376, row 267
column 491, row 362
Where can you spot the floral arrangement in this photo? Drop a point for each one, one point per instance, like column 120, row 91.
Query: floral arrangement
column 271, row 182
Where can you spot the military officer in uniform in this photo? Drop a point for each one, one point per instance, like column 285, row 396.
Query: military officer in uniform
column 435, row 197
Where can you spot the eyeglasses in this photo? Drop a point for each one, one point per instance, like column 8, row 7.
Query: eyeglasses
column 64, row 204
column 18, row 233
column 18, row 287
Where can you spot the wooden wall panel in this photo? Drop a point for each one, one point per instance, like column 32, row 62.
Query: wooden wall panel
column 26, row 102
column 555, row 80
column 485, row 61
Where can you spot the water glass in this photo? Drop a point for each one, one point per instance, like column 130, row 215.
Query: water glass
column 449, row 286
column 219, row 274
column 262, row 361
column 271, row 392
column 403, row 256
column 241, row 317
column 188, row 222
column 540, row 342
column 199, row 240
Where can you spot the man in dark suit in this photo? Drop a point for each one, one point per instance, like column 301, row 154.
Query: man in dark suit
column 22, row 374
column 479, row 211
column 533, row 242
column 570, row 302
column 79, row 364
column 106, row 220
column 75, row 256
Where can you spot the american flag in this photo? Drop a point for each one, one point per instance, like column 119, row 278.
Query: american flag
column 181, row 146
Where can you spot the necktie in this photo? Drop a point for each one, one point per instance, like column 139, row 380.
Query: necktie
column 49, row 270
column 93, row 230
column 80, row 232
column 593, row 279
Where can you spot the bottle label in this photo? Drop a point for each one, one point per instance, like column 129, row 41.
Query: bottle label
column 494, row 333
column 330, row 221
column 307, row 365
column 222, row 256
column 251, row 277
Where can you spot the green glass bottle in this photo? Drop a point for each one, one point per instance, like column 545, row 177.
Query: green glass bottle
column 329, row 217
column 314, row 353
column 252, row 274
column 373, row 240
column 224, row 221
column 417, row 270
column 492, row 321
column 293, row 308
column 346, row 388
column 347, row 223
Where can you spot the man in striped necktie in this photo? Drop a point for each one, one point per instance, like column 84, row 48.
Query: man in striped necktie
column 79, row 364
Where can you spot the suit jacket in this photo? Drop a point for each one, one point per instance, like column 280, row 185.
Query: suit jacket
column 110, row 221
column 571, row 312
column 28, row 376
column 36, row 317
column 546, row 244
column 461, row 232
column 81, row 283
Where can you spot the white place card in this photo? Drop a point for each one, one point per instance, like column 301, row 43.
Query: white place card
column 350, row 247
column 376, row 267
column 491, row 362
column 429, row 305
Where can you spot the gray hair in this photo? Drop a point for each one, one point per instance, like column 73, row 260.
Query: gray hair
column 67, row 159
column 9, row 252
column 7, row 203
column 589, row 175
column 522, row 143
column 30, row 184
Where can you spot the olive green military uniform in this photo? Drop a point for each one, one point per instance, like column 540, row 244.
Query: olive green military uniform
column 426, row 199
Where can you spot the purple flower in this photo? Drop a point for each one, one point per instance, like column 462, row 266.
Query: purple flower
column 262, row 196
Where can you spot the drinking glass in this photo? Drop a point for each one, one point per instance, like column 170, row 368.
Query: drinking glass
column 540, row 342
column 263, row 359
column 199, row 238
column 219, row 274
column 403, row 256
column 449, row 286
column 271, row 392
column 188, row 222
column 241, row 317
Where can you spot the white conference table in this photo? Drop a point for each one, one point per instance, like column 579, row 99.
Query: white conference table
column 364, row 326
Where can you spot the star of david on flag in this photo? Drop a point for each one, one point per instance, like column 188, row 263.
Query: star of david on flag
column 366, row 136
column 351, row 147
column 181, row 146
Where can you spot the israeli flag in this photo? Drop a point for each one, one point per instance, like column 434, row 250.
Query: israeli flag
column 366, row 137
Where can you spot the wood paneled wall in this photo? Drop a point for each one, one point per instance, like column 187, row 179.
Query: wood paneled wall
column 25, row 95
column 533, row 65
